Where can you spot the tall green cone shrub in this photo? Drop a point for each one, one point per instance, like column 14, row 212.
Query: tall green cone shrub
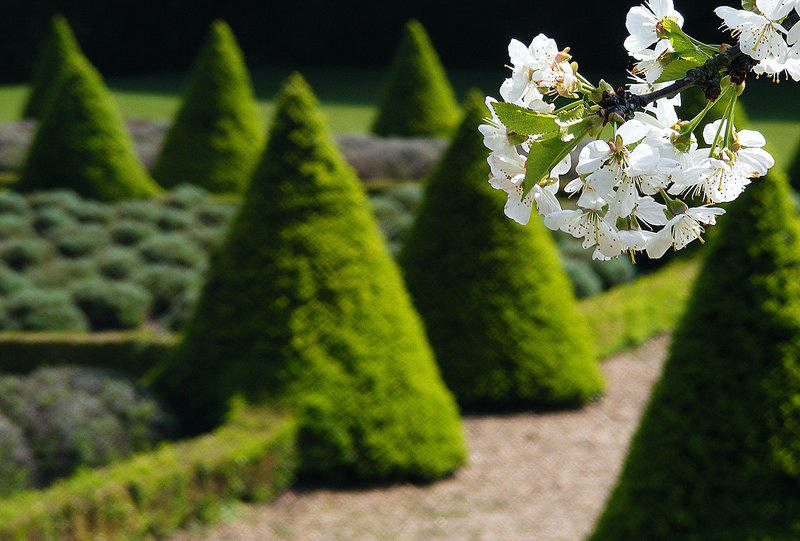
column 417, row 99
column 717, row 454
column 82, row 144
column 304, row 309
column 498, row 308
column 217, row 136
column 58, row 47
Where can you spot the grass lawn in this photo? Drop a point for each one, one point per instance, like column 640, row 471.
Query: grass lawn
column 349, row 97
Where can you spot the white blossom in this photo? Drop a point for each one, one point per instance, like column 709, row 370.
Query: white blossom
column 537, row 69
column 589, row 225
column 682, row 229
column 760, row 36
column 643, row 23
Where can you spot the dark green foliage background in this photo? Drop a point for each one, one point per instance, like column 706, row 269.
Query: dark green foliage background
column 217, row 134
column 498, row 308
column 81, row 143
column 51, row 64
column 717, row 453
column 304, row 309
column 417, row 99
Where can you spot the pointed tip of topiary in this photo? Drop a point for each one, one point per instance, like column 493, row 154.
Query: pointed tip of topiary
column 82, row 144
column 217, row 135
column 57, row 50
column 417, row 98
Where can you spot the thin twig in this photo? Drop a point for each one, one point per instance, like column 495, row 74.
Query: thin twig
column 700, row 76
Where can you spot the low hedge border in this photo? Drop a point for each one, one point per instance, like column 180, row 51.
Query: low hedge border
column 131, row 352
column 156, row 493
column 630, row 314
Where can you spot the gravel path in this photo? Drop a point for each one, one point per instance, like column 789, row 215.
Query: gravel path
column 540, row 477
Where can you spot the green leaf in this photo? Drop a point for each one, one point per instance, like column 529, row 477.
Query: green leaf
column 676, row 70
column 682, row 43
column 545, row 154
column 526, row 122
column 571, row 114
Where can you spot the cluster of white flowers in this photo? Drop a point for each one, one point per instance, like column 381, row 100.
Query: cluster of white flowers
column 633, row 186
column 762, row 37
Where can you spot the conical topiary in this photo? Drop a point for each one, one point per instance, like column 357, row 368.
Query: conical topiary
column 58, row 47
column 717, row 454
column 81, row 143
column 304, row 309
column 417, row 99
column 217, row 135
column 498, row 308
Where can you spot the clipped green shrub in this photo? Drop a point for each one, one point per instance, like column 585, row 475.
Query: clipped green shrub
column 305, row 310
column 154, row 494
column 48, row 219
column 138, row 211
column 117, row 262
column 93, row 212
column 186, row 197
column 417, row 99
column 167, row 285
column 64, row 199
column 408, row 194
column 207, row 238
column 81, row 143
column 20, row 254
column 128, row 232
column 82, row 417
column 214, row 214
column 498, row 308
column 717, row 452
column 80, row 241
column 615, row 272
column 13, row 203
column 111, row 305
column 11, row 280
column 172, row 219
column 13, row 226
column 37, row 309
column 217, row 135
column 59, row 273
column 585, row 282
column 57, row 49
column 171, row 249
column 16, row 459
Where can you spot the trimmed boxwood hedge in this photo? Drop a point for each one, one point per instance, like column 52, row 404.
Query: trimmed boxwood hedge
column 416, row 98
column 717, row 452
column 154, row 494
column 217, row 136
column 81, row 143
column 498, row 308
column 133, row 353
column 620, row 318
column 58, row 47
column 305, row 309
